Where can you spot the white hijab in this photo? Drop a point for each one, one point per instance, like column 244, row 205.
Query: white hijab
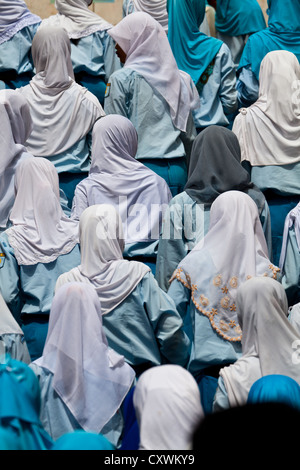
column 76, row 18
column 292, row 220
column 116, row 177
column 90, row 378
column 168, row 408
column 233, row 250
column 14, row 16
column 62, row 111
column 269, row 130
column 156, row 8
column 269, row 341
column 16, row 126
column 148, row 52
column 102, row 263
column 41, row 231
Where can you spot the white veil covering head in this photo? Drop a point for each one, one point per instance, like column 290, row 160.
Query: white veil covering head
column 41, row 231
column 156, row 8
column 148, row 52
column 116, row 177
column 233, row 250
column 168, row 408
column 102, row 263
column 76, row 18
column 269, row 130
column 62, row 111
column 16, row 126
column 270, row 342
column 14, row 16
column 90, row 378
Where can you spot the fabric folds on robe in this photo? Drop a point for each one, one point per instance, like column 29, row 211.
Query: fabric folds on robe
column 14, row 16
column 236, row 18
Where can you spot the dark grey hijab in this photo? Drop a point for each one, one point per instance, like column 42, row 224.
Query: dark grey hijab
column 215, row 167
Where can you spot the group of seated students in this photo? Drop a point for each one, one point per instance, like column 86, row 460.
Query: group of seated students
column 149, row 223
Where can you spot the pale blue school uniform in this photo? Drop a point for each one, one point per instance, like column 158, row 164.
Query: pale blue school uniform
column 218, row 97
column 16, row 65
column 56, row 418
column 161, row 145
column 94, row 59
column 146, row 328
column 209, row 351
column 15, row 346
column 28, row 291
column 186, row 223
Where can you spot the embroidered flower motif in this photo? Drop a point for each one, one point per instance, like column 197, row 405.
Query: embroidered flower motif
column 223, row 326
column 217, row 280
column 204, row 300
column 225, row 302
column 225, row 290
column 233, row 282
column 233, row 307
column 232, row 323
column 213, row 312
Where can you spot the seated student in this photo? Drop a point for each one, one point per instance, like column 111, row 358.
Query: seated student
column 282, row 33
column 268, row 342
column 116, row 177
column 204, row 286
column 17, row 29
column 289, row 261
column 139, row 319
column 12, row 341
column 235, row 22
column 83, row 382
column 207, row 60
column 20, row 405
column 268, row 133
column 16, row 126
column 92, row 50
column 154, row 95
column 63, row 112
column 41, row 244
column 214, row 168
column 168, row 408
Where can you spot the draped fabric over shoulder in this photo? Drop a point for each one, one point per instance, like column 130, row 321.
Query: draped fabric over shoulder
column 90, row 378
column 148, row 52
column 102, row 262
column 168, row 408
column 215, row 167
column 193, row 50
column 60, row 119
column 117, row 178
column 156, row 8
column 233, row 250
column 283, row 33
column 16, row 126
column 268, row 344
column 41, row 232
column 14, row 16
column 76, row 18
column 236, row 17
column 269, row 130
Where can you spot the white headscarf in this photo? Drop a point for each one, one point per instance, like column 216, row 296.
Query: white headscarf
column 90, row 378
column 102, row 263
column 168, row 408
column 269, row 130
column 14, row 16
column 148, row 52
column 116, row 177
column 62, row 111
column 291, row 220
column 41, row 231
column 156, row 8
column 233, row 250
column 269, row 343
column 16, row 126
column 76, row 18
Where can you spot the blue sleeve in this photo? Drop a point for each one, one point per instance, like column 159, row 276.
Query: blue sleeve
column 228, row 93
column 116, row 96
column 221, row 401
column 167, row 323
column 80, row 202
column 247, row 87
column 10, row 278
